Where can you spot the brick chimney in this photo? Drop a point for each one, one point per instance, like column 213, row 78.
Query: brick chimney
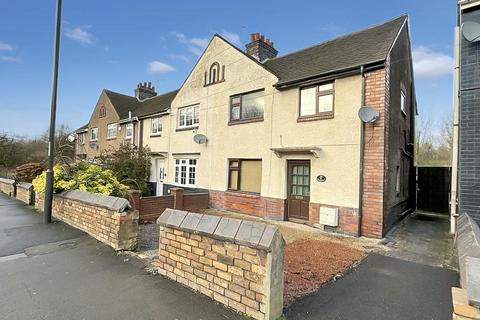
column 260, row 47
column 145, row 91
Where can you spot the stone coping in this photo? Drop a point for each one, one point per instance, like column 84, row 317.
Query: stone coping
column 243, row 232
column 108, row 202
column 473, row 281
column 7, row 181
column 24, row 185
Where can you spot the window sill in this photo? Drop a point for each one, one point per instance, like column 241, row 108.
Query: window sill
column 153, row 135
column 243, row 194
column 320, row 116
column 187, row 128
column 112, row 138
column 242, row 121
column 212, row 83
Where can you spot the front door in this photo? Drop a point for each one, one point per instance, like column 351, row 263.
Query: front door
column 298, row 194
column 160, row 175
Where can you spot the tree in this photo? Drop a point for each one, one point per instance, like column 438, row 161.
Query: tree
column 434, row 146
column 130, row 164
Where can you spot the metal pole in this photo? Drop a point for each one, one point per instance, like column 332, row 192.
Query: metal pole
column 47, row 210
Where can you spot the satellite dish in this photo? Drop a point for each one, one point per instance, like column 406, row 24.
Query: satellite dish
column 200, row 138
column 368, row 114
column 71, row 137
column 471, row 31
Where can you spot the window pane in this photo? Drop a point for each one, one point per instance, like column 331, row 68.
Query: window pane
column 252, row 105
column 251, row 176
column 235, row 113
column 307, row 101
column 189, row 121
column 325, row 87
column 235, row 100
column 402, row 101
column 233, row 181
column 196, row 115
column 325, row 103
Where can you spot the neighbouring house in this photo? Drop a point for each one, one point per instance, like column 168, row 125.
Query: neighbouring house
column 279, row 137
column 116, row 119
column 465, row 188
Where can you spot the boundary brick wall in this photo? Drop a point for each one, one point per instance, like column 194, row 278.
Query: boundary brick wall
column 264, row 207
column 25, row 193
column 238, row 263
column 7, row 186
column 105, row 218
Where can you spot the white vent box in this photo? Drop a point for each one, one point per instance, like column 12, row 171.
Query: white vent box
column 329, row 216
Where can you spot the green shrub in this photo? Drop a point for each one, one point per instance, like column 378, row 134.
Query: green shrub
column 82, row 176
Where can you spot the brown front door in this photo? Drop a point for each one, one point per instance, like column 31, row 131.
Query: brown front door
column 298, row 194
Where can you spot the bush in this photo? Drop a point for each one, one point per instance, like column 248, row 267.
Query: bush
column 131, row 166
column 28, row 171
column 82, row 176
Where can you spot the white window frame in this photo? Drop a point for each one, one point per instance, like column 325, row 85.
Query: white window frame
column 183, row 116
column 109, row 128
column 129, row 127
column 81, row 138
column 403, row 101
column 188, row 166
column 156, row 127
column 94, row 131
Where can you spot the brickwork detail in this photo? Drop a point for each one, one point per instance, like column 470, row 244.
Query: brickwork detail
column 237, row 275
column 7, row 186
column 116, row 229
column 264, row 207
column 347, row 219
column 374, row 173
column 25, row 193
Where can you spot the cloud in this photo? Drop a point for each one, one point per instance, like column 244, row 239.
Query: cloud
column 181, row 57
column 10, row 59
column 80, row 34
column 194, row 45
column 159, row 67
column 5, row 47
column 431, row 64
column 232, row 37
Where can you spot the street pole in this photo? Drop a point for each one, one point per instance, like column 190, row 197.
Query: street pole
column 47, row 209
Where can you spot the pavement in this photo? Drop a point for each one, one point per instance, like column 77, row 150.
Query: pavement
column 56, row 272
column 410, row 279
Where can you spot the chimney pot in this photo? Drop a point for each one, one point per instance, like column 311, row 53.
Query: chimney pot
column 149, row 84
column 261, row 47
column 145, row 90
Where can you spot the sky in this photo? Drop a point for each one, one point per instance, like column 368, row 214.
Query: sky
column 116, row 44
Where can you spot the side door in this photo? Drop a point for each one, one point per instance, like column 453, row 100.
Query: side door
column 298, row 193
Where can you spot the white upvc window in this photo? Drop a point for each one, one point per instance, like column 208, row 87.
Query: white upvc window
column 129, row 131
column 403, row 101
column 156, row 127
column 81, row 138
column 185, row 172
column 111, row 130
column 188, row 116
column 94, row 134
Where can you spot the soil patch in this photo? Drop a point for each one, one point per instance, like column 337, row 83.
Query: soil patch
column 310, row 263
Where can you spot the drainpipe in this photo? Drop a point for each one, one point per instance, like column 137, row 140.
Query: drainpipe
column 362, row 153
column 456, row 116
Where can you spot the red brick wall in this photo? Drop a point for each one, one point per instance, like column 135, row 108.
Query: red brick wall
column 195, row 201
column 271, row 208
column 374, row 157
column 152, row 207
column 347, row 219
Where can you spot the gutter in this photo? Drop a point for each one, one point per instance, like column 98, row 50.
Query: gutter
column 362, row 155
column 334, row 74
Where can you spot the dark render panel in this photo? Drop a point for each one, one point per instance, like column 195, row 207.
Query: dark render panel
column 469, row 149
column 400, row 134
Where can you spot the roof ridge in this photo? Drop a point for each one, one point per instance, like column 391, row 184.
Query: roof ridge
column 404, row 15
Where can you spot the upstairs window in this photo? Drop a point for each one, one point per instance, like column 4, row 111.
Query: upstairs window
column 111, row 131
column 248, row 106
column 102, row 112
column 185, row 171
column 215, row 74
column 156, row 127
column 317, row 101
column 81, row 138
column 129, row 131
column 188, row 117
column 245, row 175
column 94, row 134
column 403, row 101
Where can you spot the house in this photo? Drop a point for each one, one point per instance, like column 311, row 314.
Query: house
column 116, row 119
column 280, row 137
column 465, row 187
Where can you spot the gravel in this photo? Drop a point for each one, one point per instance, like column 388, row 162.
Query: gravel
column 148, row 237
